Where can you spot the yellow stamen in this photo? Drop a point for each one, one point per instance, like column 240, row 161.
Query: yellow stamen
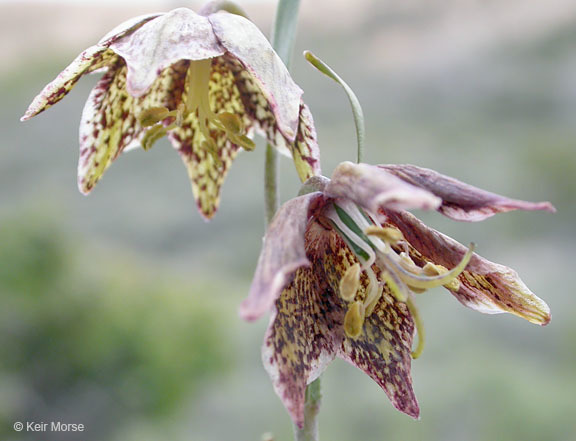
column 431, row 269
column 407, row 263
column 394, row 287
column 390, row 235
column 243, row 141
column 415, row 280
column 372, row 305
column 354, row 320
column 152, row 135
column 210, row 146
column 231, row 122
column 419, row 328
column 153, row 115
column 350, row 282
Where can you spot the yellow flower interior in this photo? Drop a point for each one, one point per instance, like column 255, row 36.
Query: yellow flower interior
column 196, row 100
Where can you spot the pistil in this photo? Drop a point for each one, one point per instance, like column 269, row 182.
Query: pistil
column 372, row 243
column 196, row 99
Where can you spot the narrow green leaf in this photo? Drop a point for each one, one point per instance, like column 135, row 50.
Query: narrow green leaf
column 354, row 102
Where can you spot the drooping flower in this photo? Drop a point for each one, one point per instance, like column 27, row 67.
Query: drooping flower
column 340, row 266
column 207, row 81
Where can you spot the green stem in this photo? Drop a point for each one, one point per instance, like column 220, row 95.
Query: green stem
column 311, row 409
column 283, row 36
column 271, row 193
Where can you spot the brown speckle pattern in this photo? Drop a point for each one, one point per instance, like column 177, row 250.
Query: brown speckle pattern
column 484, row 286
column 206, row 174
column 304, row 148
column 307, row 330
column 110, row 118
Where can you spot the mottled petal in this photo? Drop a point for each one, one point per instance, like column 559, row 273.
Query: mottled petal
column 383, row 350
column 126, row 27
column 109, row 123
column 180, row 34
column 242, row 38
column 461, row 201
column 305, row 149
column 373, row 188
column 206, row 174
column 282, row 254
column 484, row 286
column 93, row 58
column 298, row 344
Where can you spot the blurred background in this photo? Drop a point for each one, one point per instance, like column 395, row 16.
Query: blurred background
column 118, row 310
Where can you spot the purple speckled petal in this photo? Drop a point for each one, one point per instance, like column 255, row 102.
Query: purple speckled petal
column 109, row 123
column 298, row 344
column 383, row 349
column 484, row 286
column 383, row 352
column 304, row 149
column 373, row 188
column 242, row 39
column 282, row 254
column 180, row 34
column 92, row 59
column 126, row 27
column 461, row 201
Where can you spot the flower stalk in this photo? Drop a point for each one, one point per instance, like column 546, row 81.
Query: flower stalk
column 311, row 410
column 283, row 36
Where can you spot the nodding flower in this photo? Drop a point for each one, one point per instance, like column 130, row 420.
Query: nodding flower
column 208, row 81
column 342, row 264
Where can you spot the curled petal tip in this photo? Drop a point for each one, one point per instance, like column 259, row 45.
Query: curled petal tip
column 547, row 206
column 546, row 320
column 247, row 313
column 83, row 189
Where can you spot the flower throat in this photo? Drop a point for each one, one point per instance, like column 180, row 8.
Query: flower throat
column 372, row 243
column 195, row 100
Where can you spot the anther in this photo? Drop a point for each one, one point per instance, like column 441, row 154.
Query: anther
column 152, row 135
column 407, row 263
column 231, row 122
column 210, row 146
column 245, row 142
column 390, row 235
column 415, row 280
column 153, row 115
column 369, row 306
column 350, row 282
column 431, row 269
column 354, row 320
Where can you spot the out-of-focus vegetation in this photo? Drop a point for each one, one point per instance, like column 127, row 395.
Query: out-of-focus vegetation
column 119, row 310
column 94, row 329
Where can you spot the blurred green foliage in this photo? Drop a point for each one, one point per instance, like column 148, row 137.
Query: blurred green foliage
column 75, row 324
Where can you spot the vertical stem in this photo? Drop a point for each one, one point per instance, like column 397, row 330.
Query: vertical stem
column 271, row 193
column 312, row 407
column 283, row 36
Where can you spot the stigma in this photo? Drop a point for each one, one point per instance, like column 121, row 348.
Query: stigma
column 196, row 102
